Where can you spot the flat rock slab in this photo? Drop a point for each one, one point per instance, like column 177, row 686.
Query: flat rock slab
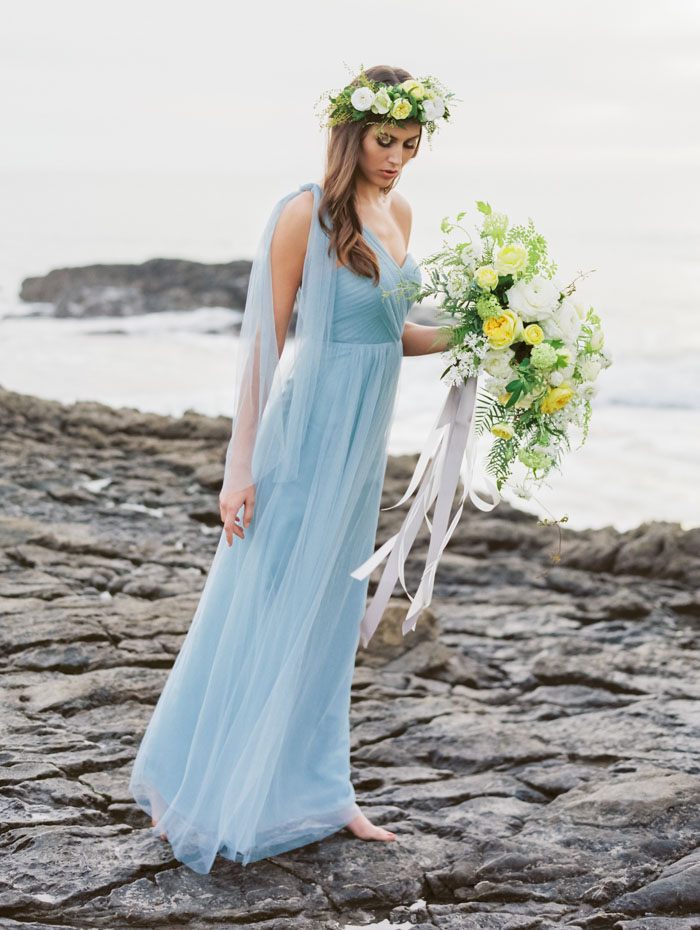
column 534, row 743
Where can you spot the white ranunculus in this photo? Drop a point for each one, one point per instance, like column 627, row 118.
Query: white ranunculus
column 596, row 340
column 382, row 102
column 580, row 308
column 588, row 390
column 564, row 323
column 362, row 98
column 496, row 386
column 590, row 369
column 533, row 300
column 433, row 107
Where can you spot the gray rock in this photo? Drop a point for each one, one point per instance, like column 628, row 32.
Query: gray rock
column 533, row 743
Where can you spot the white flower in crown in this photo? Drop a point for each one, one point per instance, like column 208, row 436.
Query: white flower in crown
column 362, row 98
column 382, row 102
column 433, row 107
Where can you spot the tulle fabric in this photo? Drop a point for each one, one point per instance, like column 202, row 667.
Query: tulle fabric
column 260, row 375
column 247, row 753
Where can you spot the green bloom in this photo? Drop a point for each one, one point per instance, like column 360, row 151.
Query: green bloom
column 543, row 356
column 487, row 306
column 534, row 460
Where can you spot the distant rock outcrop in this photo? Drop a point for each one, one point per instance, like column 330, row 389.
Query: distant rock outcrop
column 151, row 287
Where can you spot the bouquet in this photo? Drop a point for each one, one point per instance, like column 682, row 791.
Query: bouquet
column 512, row 320
column 540, row 350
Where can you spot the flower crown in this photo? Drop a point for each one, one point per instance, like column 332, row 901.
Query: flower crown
column 424, row 101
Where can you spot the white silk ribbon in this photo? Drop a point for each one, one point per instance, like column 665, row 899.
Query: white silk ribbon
column 449, row 450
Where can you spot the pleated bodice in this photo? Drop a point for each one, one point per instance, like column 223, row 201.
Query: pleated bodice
column 361, row 312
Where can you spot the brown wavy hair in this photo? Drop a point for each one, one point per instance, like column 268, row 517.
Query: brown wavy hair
column 338, row 189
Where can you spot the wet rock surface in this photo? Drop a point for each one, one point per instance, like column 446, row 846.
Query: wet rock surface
column 534, row 743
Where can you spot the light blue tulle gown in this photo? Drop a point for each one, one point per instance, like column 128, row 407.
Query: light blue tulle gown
column 247, row 753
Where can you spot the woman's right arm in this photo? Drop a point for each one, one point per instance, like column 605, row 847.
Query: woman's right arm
column 287, row 255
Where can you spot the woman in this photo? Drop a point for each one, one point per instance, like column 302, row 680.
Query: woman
column 247, row 753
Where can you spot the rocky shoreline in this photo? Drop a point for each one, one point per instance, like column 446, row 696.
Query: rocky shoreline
column 533, row 744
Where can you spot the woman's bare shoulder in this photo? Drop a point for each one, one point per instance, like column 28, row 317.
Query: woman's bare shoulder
column 296, row 214
column 293, row 226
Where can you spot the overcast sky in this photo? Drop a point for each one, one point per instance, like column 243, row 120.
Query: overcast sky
column 583, row 113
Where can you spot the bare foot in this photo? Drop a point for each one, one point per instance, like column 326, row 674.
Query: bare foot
column 162, row 836
column 366, row 830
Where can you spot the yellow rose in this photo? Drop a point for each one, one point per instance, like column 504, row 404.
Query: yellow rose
column 401, row 108
column 502, row 330
column 533, row 334
column 557, row 398
column 414, row 88
column 486, row 277
column 503, row 430
column 511, row 259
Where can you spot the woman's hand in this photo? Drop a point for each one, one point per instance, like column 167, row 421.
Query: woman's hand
column 230, row 502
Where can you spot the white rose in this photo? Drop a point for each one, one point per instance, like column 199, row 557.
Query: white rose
column 362, row 98
column 533, row 300
column 433, row 108
column 556, row 378
column 497, row 362
column 564, row 323
column 596, row 340
column 590, row 369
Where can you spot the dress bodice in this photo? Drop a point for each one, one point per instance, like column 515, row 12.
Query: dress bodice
column 364, row 312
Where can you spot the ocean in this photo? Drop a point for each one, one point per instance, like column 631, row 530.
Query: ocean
column 642, row 456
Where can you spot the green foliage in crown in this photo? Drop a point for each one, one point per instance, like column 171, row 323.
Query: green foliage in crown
column 424, row 101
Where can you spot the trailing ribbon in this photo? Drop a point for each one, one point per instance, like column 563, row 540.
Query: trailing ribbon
column 450, row 446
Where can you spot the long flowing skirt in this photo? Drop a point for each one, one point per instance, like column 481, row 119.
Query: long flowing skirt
column 247, row 752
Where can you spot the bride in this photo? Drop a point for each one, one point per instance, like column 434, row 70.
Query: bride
column 247, row 753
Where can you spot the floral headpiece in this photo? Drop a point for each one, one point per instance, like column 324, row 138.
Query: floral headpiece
column 424, row 101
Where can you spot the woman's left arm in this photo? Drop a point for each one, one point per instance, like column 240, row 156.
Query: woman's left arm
column 418, row 339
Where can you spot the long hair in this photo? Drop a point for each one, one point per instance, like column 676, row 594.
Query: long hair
column 338, row 188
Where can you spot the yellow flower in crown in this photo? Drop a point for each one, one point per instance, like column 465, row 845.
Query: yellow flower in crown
column 557, row 398
column 424, row 100
column 401, row 108
column 502, row 330
column 414, row 88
